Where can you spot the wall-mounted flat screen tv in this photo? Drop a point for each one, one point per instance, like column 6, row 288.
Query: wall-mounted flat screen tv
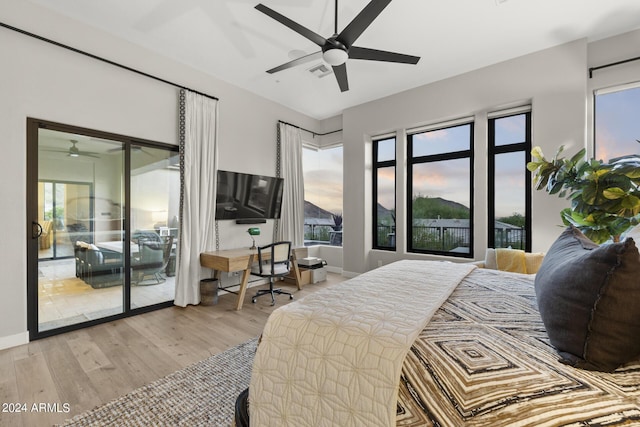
column 245, row 197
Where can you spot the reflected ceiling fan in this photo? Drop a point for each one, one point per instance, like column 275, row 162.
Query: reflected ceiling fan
column 74, row 151
column 134, row 149
column 339, row 47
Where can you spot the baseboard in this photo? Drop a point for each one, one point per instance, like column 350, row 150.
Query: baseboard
column 14, row 340
column 349, row 274
column 336, row 270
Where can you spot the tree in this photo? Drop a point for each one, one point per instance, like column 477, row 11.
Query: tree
column 516, row 219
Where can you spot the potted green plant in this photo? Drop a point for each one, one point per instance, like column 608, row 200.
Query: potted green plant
column 605, row 197
column 337, row 221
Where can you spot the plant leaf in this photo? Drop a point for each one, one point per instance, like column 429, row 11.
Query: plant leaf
column 614, row 193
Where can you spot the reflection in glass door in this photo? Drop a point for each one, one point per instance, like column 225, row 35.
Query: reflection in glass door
column 155, row 199
column 60, row 203
column 80, row 209
column 103, row 222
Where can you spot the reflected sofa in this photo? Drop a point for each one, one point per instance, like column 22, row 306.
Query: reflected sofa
column 98, row 268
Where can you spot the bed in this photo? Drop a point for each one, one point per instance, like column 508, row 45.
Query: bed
column 478, row 355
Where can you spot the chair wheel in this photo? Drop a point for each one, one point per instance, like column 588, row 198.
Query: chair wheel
column 253, row 300
column 290, row 296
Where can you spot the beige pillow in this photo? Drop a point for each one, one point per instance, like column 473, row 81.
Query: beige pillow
column 533, row 261
column 490, row 259
column 511, row 260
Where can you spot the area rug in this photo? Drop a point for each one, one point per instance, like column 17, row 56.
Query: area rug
column 202, row 394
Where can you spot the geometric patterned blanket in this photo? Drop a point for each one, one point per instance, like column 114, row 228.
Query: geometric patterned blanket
column 485, row 360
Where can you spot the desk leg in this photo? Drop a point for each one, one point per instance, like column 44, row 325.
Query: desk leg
column 243, row 285
column 296, row 270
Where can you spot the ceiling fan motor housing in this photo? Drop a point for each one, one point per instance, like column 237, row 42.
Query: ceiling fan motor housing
column 333, row 52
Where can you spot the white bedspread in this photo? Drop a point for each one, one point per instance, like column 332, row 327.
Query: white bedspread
column 334, row 357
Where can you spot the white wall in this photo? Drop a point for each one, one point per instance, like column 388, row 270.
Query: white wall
column 47, row 82
column 553, row 81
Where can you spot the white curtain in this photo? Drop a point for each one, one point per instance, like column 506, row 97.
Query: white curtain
column 199, row 164
column 291, row 225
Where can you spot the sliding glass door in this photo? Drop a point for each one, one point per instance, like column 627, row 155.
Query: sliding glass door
column 102, row 213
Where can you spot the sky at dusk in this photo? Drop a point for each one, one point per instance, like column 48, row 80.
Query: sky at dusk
column 617, row 122
column 323, row 178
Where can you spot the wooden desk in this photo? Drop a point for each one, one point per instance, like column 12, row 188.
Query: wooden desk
column 235, row 260
column 231, row 260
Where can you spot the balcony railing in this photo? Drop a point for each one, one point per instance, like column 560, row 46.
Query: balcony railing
column 449, row 238
column 514, row 238
column 321, row 234
column 386, row 237
column 444, row 239
column 441, row 239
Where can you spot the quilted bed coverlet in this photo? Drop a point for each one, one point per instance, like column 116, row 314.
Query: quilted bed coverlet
column 334, row 358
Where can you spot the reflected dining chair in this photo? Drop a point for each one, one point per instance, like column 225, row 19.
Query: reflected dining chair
column 152, row 260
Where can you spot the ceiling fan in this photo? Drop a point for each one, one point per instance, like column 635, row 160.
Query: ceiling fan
column 74, row 151
column 134, row 149
column 339, row 47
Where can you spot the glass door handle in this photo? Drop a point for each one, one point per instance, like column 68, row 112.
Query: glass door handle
column 36, row 230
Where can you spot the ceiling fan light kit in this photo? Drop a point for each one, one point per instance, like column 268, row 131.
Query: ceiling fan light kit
column 335, row 56
column 337, row 49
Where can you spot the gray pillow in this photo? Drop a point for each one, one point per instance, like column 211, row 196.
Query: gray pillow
column 589, row 301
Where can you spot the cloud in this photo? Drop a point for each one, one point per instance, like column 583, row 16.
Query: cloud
column 446, row 179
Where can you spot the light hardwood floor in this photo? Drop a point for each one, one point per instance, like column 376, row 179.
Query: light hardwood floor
column 89, row 367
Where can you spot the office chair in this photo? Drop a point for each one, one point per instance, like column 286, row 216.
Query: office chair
column 273, row 261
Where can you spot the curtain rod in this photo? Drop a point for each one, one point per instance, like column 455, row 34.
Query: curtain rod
column 612, row 64
column 99, row 58
column 310, row 131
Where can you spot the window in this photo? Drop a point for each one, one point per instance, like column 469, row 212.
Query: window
column 509, row 181
column 322, row 195
column 617, row 127
column 440, row 216
column 384, row 193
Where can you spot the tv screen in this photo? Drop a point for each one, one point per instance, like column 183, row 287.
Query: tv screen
column 242, row 196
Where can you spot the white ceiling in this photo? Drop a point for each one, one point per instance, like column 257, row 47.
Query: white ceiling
column 231, row 40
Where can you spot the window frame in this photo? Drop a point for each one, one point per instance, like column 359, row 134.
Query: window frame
column 492, row 151
column 453, row 155
column 377, row 165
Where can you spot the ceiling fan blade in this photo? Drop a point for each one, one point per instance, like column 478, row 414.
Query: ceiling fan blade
column 381, row 55
column 79, row 153
column 51, row 150
column 303, row 59
column 340, row 72
column 356, row 27
column 305, row 32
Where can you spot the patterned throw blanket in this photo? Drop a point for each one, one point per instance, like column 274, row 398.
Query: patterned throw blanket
column 484, row 360
column 334, row 357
